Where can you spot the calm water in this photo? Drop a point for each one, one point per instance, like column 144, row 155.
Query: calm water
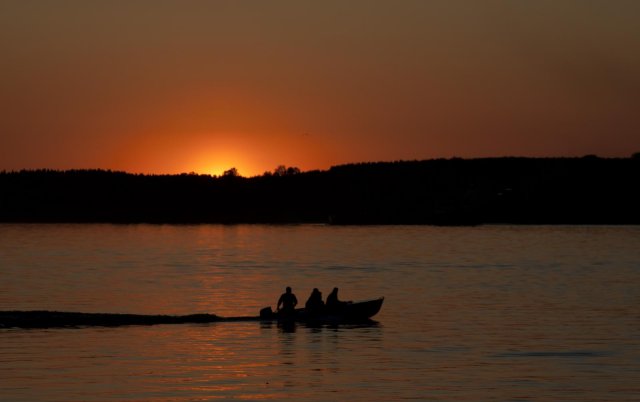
column 486, row 313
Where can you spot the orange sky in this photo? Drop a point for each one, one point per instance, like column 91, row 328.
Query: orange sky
column 180, row 86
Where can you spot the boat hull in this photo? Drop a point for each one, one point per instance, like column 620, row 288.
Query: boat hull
column 346, row 312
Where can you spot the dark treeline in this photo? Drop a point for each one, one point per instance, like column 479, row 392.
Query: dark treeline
column 588, row 190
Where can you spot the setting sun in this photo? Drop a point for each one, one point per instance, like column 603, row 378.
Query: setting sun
column 215, row 160
column 215, row 154
column 216, row 166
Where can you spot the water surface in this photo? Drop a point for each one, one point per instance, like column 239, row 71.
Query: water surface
column 483, row 313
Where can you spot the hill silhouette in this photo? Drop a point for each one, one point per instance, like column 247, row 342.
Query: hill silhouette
column 587, row 190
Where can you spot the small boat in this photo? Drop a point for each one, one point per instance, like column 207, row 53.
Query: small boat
column 346, row 312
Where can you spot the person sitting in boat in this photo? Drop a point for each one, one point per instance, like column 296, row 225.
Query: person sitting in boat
column 314, row 304
column 288, row 301
column 333, row 303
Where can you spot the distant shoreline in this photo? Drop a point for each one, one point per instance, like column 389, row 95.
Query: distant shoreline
column 449, row 192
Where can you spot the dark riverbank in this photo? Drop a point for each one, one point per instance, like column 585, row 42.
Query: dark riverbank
column 586, row 190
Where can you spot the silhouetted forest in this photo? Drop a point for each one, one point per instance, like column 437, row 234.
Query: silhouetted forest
column 588, row 190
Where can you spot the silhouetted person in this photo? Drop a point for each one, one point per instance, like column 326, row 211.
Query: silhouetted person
column 314, row 304
column 332, row 301
column 288, row 301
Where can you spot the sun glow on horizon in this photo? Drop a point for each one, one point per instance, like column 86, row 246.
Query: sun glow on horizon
column 217, row 161
column 215, row 152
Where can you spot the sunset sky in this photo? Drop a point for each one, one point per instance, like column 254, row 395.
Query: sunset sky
column 179, row 86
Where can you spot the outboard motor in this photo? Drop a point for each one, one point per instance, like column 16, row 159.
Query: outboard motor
column 266, row 312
